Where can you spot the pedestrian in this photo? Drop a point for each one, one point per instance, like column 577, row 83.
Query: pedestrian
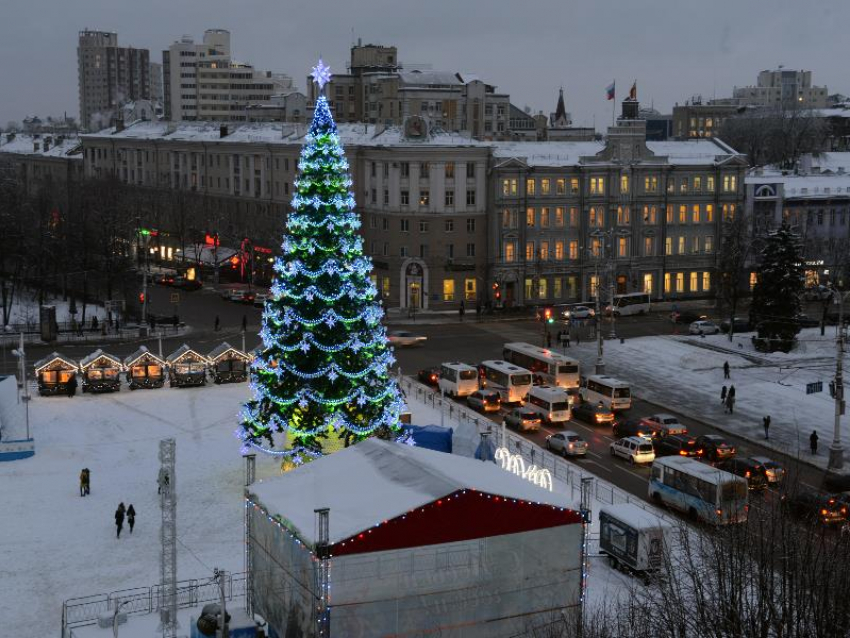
column 732, row 391
column 730, row 403
column 726, row 370
column 88, row 480
column 244, row 323
column 72, row 386
column 567, row 338
column 131, row 517
column 766, row 423
column 461, row 310
column 548, row 339
column 175, row 320
column 578, row 339
column 94, row 323
column 119, row 520
column 83, row 482
column 217, row 323
column 813, row 442
column 723, row 394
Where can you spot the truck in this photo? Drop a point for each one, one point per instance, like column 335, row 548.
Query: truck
column 634, row 539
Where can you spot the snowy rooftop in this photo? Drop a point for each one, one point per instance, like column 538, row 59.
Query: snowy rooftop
column 816, row 186
column 61, row 147
column 392, row 479
column 224, row 348
column 634, row 515
column 94, row 356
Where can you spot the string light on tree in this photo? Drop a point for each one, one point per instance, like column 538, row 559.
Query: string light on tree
column 322, row 380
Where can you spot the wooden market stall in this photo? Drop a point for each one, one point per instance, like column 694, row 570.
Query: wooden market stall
column 186, row 368
column 228, row 364
column 56, row 374
column 144, row 369
column 101, row 372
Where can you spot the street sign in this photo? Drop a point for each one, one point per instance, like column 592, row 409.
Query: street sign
column 175, row 297
column 817, row 386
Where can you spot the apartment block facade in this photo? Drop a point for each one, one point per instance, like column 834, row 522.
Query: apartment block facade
column 783, row 88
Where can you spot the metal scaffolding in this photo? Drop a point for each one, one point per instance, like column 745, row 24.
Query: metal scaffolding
column 168, row 538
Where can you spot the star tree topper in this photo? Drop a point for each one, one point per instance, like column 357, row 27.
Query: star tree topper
column 321, row 74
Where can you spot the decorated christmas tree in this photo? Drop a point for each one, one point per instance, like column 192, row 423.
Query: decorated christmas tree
column 322, row 380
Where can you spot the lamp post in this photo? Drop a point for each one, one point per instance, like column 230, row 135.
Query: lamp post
column 836, row 450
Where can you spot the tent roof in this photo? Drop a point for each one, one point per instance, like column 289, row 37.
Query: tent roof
column 138, row 354
column 94, row 356
column 223, row 349
column 183, row 350
column 53, row 356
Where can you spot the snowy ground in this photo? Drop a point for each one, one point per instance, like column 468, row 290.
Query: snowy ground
column 25, row 310
column 685, row 373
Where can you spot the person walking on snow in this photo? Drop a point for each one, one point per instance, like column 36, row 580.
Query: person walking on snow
column 732, row 391
column 726, row 370
column 766, row 422
column 813, row 442
column 83, row 481
column 723, row 394
column 72, row 386
column 131, row 517
column 730, row 403
column 119, row 520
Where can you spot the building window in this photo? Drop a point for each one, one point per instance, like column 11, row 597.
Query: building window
column 667, row 283
column 450, row 170
column 374, row 170
column 542, row 288
column 405, row 198
column 559, row 250
column 449, row 225
column 385, row 223
column 470, row 198
column 624, row 183
column 544, row 251
column 573, row 216
column 706, row 281
column 405, row 225
column 385, row 288
column 556, row 288
column 402, row 251
column 510, row 251
column 509, row 218
column 424, row 170
column 594, row 285
column 683, row 185
column 529, row 251
column 450, row 251
column 423, row 251
column 668, row 245
column 573, row 250
column 529, row 288
column 709, row 213
column 373, row 221
column 624, row 217
column 622, row 247
column 470, row 250
column 450, row 198
column 529, row 218
column 709, row 183
column 574, row 186
column 680, row 282
column 709, row 243
column 650, row 184
column 754, row 279
column 728, row 212
column 386, row 250
column 671, row 185
column 694, row 281
column 695, row 245
column 470, row 292
column 730, row 183
column 596, row 217
column 470, row 224
column 597, row 185
column 596, row 247
column 559, row 216
column 509, row 187
column 669, row 213
column 647, row 283
column 695, row 214
column 648, row 246
column 650, row 215
column 423, row 226
column 681, row 245
column 424, row 196
column 683, row 214
column 405, row 169
column 697, row 184
column 448, row 289
column 545, row 186
column 530, row 186
column 560, row 186
column 386, row 197
column 544, row 217
column 470, row 173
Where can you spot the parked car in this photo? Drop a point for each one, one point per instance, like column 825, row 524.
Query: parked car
column 747, row 468
column 567, row 443
column 401, row 338
column 687, row 316
column 772, row 471
column 578, row 312
column 634, row 449
column 632, row 427
column 429, row 376
column 188, row 284
column 676, row 444
column 664, row 425
column 817, row 293
column 485, row 400
column 703, row 327
column 260, row 298
column 164, row 279
column 237, row 295
column 805, row 321
column 523, row 419
column 824, row 508
column 739, row 324
column 596, row 414
column 715, row 448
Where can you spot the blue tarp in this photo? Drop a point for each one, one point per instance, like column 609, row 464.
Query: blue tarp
column 431, row 437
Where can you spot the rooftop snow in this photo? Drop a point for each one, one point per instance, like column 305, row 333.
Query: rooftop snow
column 805, row 186
column 392, row 479
column 25, row 145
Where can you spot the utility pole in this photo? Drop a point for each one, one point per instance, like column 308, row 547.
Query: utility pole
column 836, row 450
column 600, row 364
column 168, row 541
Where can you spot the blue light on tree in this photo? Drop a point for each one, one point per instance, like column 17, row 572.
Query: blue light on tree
column 322, row 380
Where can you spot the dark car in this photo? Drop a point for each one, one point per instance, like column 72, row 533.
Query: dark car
column 164, row 280
column 773, row 472
column 827, row 509
column 188, row 284
column 740, row 324
column 715, row 448
column 747, row 468
column 596, row 414
column 686, row 317
column 429, row 376
column 631, row 427
column 676, row 445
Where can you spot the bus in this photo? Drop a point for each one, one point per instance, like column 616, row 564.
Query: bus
column 552, row 404
column 458, row 379
column 612, row 393
column 553, row 368
column 633, row 303
column 510, row 381
column 698, row 489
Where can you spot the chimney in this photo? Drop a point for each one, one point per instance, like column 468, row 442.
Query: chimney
column 222, row 131
column 119, row 124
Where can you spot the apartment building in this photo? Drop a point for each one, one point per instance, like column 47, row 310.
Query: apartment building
column 701, row 120
column 37, row 160
column 108, row 75
column 783, row 88
column 569, row 217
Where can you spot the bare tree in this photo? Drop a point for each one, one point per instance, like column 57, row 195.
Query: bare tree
column 735, row 249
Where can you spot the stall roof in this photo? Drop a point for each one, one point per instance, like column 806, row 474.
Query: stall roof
column 52, row 357
column 223, row 349
column 375, row 481
column 97, row 354
column 181, row 352
column 138, row 354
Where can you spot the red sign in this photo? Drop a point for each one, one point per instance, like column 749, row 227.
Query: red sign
column 211, row 240
column 261, row 249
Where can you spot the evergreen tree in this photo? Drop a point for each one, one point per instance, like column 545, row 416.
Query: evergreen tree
column 776, row 295
column 322, row 380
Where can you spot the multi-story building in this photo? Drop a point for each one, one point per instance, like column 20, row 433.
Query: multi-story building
column 645, row 216
column 108, row 76
column 202, row 81
column 783, row 88
column 697, row 120
column 814, row 200
column 156, row 91
column 36, row 160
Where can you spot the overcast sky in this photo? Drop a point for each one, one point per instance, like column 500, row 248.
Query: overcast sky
column 674, row 48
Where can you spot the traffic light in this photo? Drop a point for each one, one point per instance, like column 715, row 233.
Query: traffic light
column 497, row 292
column 547, row 315
column 141, row 297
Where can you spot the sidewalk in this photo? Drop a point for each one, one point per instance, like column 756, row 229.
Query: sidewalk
column 685, row 374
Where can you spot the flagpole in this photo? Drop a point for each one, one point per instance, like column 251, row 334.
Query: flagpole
column 614, row 105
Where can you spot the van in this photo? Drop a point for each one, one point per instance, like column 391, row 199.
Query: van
column 551, row 403
column 458, row 379
column 633, row 539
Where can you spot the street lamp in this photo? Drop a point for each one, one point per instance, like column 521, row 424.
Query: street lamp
column 607, row 237
column 836, row 450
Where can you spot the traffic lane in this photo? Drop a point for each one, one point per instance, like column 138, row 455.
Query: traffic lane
column 199, row 308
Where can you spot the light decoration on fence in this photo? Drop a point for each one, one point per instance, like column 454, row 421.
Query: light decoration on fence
column 515, row 464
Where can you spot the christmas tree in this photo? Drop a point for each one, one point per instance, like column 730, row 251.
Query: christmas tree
column 322, row 380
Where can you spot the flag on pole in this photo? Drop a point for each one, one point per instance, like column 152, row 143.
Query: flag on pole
column 609, row 91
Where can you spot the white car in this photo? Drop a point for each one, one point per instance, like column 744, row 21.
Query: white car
column 261, row 298
column 404, row 338
column 634, row 449
column 567, row 443
column 578, row 312
column 703, row 327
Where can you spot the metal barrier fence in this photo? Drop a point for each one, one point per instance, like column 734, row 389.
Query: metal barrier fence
column 94, row 336
column 85, row 610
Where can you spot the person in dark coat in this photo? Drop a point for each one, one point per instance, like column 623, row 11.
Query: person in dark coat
column 119, row 520
column 732, row 391
column 152, row 322
column 94, row 323
column 83, row 479
column 813, row 442
column 72, row 386
column 88, row 480
column 726, row 370
column 723, row 394
column 548, row 339
column 730, row 403
column 217, row 323
column 131, row 517
column 766, row 423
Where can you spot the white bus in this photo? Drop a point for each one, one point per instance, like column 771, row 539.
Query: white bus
column 552, row 404
column 510, row 381
column 633, row 303
column 553, row 368
column 698, row 489
column 458, row 379
column 613, row 393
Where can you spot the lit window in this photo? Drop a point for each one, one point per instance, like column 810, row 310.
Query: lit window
column 448, row 289
column 680, row 282
column 573, row 216
column 683, row 214
column 650, row 184
column 574, row 186
column 622, row 247
column 385, row 288
column 695, row 245
column 647, row 283
column 669, row 213
column 709, row 243
column 596, row 217
column 728, row 212
column 668, row 246
column 697, row 184
column 681, row 245
column 559, row 216
column 556, row 288
column 667, row 282
column 597, row 185
column 424, row 197
column 623, row 216
column 650, row 215
column 529, row 251
column 624, row 183
column 510, row 251
column 544, row 250
column 709, row 213
column 509, row 187
column 542, row 286
column 706, row 281
column 529, row 217
column 560, row 186
column 559, row 250
column 683, row 185
column 730, row 183
column 709, row 183
column 595, row 247
column 648, row 246
column 529, row 288
column 545, row 186
column 544, row 217
column 754, row 279
column 695, row 214
column 694, row 281
column 593, row 285
column 530, row 186
column 573, row 250
column 469, row 291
